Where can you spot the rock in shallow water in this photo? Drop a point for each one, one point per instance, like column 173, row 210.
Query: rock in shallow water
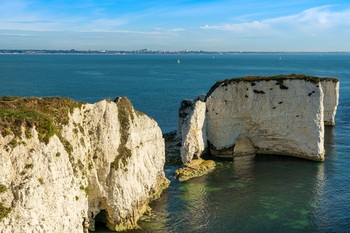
column 195, row 168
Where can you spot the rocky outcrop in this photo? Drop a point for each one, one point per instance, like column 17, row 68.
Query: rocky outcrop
column 192, row 132
column 65, row 166
column 192, row 129
column 194, row 168
column 268, row 115
column 330, row 87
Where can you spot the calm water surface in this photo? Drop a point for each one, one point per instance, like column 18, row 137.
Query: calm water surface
column 251, row 194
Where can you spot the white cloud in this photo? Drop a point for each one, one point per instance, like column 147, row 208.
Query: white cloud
column 310, row 20
column 239, row 27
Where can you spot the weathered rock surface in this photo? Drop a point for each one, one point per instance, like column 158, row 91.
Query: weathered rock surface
column 64, row 164
column 194, row 168
column 330, row 87
column 192, row 128
column 192, row 132
column 266, row 115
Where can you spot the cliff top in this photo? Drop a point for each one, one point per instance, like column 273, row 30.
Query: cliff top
column 278, row 78
column 46, row 114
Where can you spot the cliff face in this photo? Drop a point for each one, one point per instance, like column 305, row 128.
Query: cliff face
column 277, row 116
column 330, row 87
column 271, row 115
column 192, row 129
column 65, row 165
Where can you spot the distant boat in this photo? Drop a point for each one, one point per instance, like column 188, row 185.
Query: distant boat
column 280, row 58
column 178, row 61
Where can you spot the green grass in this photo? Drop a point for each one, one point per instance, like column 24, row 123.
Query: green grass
column 47, row 115
column 278, row 78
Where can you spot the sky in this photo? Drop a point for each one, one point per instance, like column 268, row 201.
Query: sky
column 210, row 25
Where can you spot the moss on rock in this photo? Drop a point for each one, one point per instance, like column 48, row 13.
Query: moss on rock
column 195, row 168
column 4, row 211
column 2, row 188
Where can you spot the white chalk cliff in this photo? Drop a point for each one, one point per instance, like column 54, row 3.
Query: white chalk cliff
column 65, row 165
column 193, row 129
column 330, row 87
column 282, row 115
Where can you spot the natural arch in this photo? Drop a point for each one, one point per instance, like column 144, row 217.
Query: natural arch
column 243, row 146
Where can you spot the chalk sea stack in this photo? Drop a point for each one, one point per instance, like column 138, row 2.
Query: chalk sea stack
column 65, row 165
column 282, row 115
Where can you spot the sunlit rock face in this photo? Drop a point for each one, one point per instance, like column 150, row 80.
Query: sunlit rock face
column 277, row 115
column 267, row 115
column 61, row 167
column 192, row 129
column 330, row 87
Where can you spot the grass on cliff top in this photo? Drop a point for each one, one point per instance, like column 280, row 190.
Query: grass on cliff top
column 46, row 114
column 279, row 78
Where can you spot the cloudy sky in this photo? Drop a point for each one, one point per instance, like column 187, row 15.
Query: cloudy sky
column 213, row 25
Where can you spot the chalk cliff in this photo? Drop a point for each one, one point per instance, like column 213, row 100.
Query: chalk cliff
column 330, row 87
column 65, row 165
column 192, row 129
column 270, row 115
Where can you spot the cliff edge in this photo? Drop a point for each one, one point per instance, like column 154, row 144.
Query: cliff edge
column 66, row 166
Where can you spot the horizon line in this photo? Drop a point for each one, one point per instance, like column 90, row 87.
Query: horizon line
column 106, row 51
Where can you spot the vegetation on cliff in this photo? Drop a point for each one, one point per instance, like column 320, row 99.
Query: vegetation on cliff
column 278, row 78
column 125, row 115
column 4, row 211
column 46, row 115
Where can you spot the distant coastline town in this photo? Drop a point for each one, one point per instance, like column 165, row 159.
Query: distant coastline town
column 140, row 51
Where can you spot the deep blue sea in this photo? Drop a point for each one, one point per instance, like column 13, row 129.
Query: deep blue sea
column 250, row 194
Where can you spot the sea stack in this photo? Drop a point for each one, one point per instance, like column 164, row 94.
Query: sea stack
column 330, row 87
column 282, row 115
column 64, row 165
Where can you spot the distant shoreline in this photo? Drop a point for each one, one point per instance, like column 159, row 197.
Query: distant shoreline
column 145, row 51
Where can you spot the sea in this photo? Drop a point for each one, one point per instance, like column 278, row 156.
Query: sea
column 249, row 194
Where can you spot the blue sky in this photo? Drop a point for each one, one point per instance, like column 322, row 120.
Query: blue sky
column 213, row 25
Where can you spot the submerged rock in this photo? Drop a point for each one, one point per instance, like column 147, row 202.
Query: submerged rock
column 282, row 115
column 65, row 165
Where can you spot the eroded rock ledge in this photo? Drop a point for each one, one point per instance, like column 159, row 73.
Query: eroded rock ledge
column 65, row 165
column 282, row 115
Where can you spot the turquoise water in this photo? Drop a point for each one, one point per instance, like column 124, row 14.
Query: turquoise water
column 252, row 194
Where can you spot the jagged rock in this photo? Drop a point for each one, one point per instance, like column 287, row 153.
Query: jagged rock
column 65, row 164
column 265, row 115
column 192, row 127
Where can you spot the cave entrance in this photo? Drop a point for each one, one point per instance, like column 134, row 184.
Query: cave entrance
column 101, row 221
column 243, row 147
